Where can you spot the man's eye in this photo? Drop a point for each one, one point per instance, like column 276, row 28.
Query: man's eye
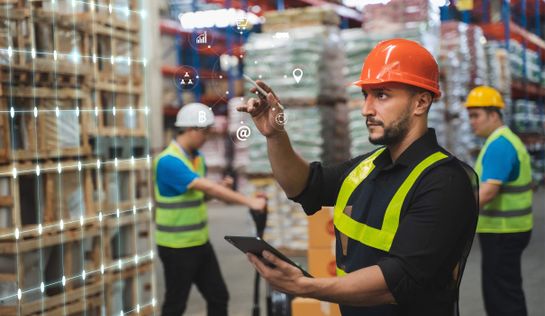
column 381, row 96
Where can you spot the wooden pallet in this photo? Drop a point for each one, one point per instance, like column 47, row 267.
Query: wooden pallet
column 108, row 148
column 43, row 73
column 88, row 299
column 21, row 195
column 108, row 41
column 128, row 119
column 125, row 185
column 128, row 276
column 28, row 137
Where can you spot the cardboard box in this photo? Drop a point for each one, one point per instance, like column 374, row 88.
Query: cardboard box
column 321, row 231
column 307, row 306
column 321, row 262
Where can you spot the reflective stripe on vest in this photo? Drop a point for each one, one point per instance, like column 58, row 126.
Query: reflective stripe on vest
column 376, row 238
column 181, row 221
column 511, row 210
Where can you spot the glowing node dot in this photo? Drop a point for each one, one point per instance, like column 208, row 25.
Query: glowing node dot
column 16, row 233
column 113, row 110
column 98, row 163
column 59, row 168
column 226, row 92
column 120, row 264
column 83, row 275
column 209, row 46
column 38, row 170
column 112, row 60
column 14, row 173
column 151, row 254
column 115, row 162
column 221, row 77
column 55, row 54
column 63, row 280
column 136, row 259
column 153, row 302
column 33, row 53
column 10, row 51
column 61, row 224
column 40, row 229
column 79, row 165
column 35, row 112
column 117, row 213
column 42, row 287
column 57, row 111
column 102, row 268
column 12, row 112
column 138, row 308
column 100, row 216
column 81, row 220
column 19, row 294
column 134, row 209
column 96, row 110
column 110, row 8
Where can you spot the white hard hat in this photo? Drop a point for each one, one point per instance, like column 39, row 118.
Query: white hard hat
column 194, row 115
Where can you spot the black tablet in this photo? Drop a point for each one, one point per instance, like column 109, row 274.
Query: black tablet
column 256, row 246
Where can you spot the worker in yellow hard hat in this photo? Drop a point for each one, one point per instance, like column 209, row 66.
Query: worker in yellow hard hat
column 505, row 200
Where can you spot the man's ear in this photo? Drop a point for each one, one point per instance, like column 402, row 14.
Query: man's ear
column 423, row 102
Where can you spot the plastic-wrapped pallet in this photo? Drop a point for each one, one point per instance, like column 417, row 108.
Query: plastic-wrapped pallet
column 463, row 65
column 304, row 126
column 316, row 50
column 400, row 16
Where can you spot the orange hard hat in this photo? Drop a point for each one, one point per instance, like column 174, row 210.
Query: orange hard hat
column 403, row 61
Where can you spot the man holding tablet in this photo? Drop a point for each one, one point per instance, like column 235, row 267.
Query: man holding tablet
column 405, row 214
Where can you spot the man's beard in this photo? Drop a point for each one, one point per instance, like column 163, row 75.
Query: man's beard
column 394, row 133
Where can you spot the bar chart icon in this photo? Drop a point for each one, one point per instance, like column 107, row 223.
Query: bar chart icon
column 202, row 38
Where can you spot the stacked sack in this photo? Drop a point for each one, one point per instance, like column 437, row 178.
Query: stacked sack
column 315, row 116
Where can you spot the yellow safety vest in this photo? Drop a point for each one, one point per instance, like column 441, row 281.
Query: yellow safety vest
column 180, row 221
column 511, row 210
column 372, row 237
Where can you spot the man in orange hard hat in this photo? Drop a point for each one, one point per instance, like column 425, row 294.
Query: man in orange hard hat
column 404, row 214
column 505, row 199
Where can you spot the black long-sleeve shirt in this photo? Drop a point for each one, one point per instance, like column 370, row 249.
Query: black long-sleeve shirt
column 436, row 228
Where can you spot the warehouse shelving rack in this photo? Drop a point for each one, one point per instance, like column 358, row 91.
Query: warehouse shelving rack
column 521, row 21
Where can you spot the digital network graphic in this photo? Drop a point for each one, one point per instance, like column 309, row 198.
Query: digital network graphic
column 75, row 190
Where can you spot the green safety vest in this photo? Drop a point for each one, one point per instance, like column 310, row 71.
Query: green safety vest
column 511, row 210
column 372, row 237
column 180, row 221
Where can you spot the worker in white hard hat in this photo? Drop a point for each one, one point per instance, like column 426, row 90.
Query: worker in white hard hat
column 181, row 231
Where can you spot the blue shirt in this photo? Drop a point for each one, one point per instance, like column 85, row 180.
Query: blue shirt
column 500, row 161
column 173, row 176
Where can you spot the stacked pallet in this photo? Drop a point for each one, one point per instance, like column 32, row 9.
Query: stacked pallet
column 300, row 55
column 75, row 208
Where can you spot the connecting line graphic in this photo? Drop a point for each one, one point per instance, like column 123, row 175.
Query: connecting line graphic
column 41, row 229
column 85, row 274
column 79, row 165
column 10, row 51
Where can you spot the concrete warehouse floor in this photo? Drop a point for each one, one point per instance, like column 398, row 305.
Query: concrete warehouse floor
column 225, row 220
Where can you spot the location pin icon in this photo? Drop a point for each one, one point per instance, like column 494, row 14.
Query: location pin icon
column 297, row 74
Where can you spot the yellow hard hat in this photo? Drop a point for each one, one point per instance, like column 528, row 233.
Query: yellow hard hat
column 484, row 96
